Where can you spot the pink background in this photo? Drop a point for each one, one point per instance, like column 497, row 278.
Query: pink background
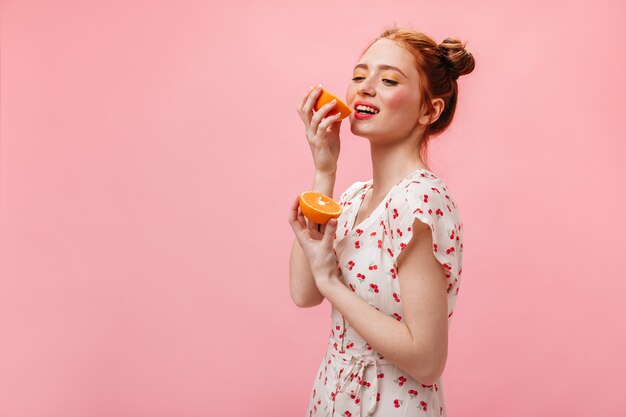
column 149, row 151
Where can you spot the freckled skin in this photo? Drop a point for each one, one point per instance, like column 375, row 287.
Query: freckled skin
column 398, row 104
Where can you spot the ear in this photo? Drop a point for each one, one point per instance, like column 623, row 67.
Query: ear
column 438, row 106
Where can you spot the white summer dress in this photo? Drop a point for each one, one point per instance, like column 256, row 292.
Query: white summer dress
column 354, row 380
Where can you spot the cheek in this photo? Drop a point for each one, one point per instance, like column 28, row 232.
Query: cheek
column 402, row 100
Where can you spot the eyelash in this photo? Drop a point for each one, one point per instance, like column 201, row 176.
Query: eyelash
column 384, row 79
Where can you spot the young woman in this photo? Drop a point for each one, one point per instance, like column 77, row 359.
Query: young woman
column 390, row 265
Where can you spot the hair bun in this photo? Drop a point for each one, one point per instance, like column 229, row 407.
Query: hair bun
column 456, row 58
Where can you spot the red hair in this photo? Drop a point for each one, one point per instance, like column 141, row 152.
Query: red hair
column 439, row 66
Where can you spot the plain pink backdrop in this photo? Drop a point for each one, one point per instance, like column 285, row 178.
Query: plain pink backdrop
column 149, row 152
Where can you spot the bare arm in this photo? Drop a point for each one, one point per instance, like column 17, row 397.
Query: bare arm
column 419, row 346
column 302, row 287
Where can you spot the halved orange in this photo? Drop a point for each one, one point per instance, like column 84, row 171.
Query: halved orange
column 340, row 107
column 318, row 207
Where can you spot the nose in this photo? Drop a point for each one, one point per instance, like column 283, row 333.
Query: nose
column 365, row 88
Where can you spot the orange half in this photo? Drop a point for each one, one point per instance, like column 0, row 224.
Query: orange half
column 318, row 208
column 340, row 106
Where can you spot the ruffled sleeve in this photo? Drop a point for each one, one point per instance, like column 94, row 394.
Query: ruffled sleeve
column 431, row 203
column 349, row 194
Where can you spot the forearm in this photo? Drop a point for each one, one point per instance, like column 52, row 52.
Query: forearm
column 304, row 291
column 388, row 336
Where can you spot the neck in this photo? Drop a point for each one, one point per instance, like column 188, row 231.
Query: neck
column 392, row 163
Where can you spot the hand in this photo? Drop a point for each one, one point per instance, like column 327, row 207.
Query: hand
column 317, row 246
column 322, row 134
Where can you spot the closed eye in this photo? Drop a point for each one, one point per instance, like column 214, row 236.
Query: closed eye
column 384, row 79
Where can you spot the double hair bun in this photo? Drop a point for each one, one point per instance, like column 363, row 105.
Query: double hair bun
column 455, row 57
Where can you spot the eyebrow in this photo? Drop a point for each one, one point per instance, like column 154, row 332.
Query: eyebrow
column 382, row 66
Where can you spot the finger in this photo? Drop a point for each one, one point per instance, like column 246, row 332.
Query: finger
column 328, row 121
column 312, row 99
column 313, row 227
column 295, row 215
column 323, row 111
column 304, row 99
column 329, row 232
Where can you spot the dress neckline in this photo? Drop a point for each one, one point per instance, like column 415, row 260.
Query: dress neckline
column 374, row 214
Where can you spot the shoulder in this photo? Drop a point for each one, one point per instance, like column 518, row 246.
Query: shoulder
column 427, row 194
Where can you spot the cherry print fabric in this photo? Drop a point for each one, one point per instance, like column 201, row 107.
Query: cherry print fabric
column 354, row 380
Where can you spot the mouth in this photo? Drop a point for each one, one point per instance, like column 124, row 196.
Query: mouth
column 364, row 108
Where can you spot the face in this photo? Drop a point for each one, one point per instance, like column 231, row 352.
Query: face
column 394, row 93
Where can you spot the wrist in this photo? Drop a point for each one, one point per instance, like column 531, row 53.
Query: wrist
column 326, row 173
column 327, row 285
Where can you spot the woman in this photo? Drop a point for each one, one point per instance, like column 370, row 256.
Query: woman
column 391, row 264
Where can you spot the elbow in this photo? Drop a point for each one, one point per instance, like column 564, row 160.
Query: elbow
column 427, row 377
column 430, row 370
column 306, row 303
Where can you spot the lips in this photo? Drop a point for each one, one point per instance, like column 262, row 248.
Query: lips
column 365, row 103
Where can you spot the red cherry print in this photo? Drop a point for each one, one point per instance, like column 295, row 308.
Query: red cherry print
column 418, row 210
column 425, row 198
column 395, row 213
column 430, row 211
column 332, row 395
column 412, row 393
column 350, row 265
column 372, row 266
column 436, row 389
column 449, row 208
column 335, row 346
column 314, row 393
column 450, row 250
column 347, row 414
column 357, row 244
column 358, row 232
column 378, row 396
column 402, row 246
column 399, row 232
column 427, row 386
column 360, row 276
column 380, row 244
column 338, row 327
column 390, row 252
column 352, row 287
column 393, row 273
column 401, row 380
column 374, row 287
column 380, row 375
column 396, row 403
column 435, row 247
column 368, row 346
column 439, row 212
column 373, row 234
column 358, row 400
column 452, row 235
column 440, row 410
column 349, row 345
column 424, row 405
column 345, row 233
column 396, row 297
column 397, row 316
column 447, row 266
column 391, row 232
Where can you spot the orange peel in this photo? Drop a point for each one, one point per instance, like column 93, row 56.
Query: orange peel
column 340, row 107
column 318, row 207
